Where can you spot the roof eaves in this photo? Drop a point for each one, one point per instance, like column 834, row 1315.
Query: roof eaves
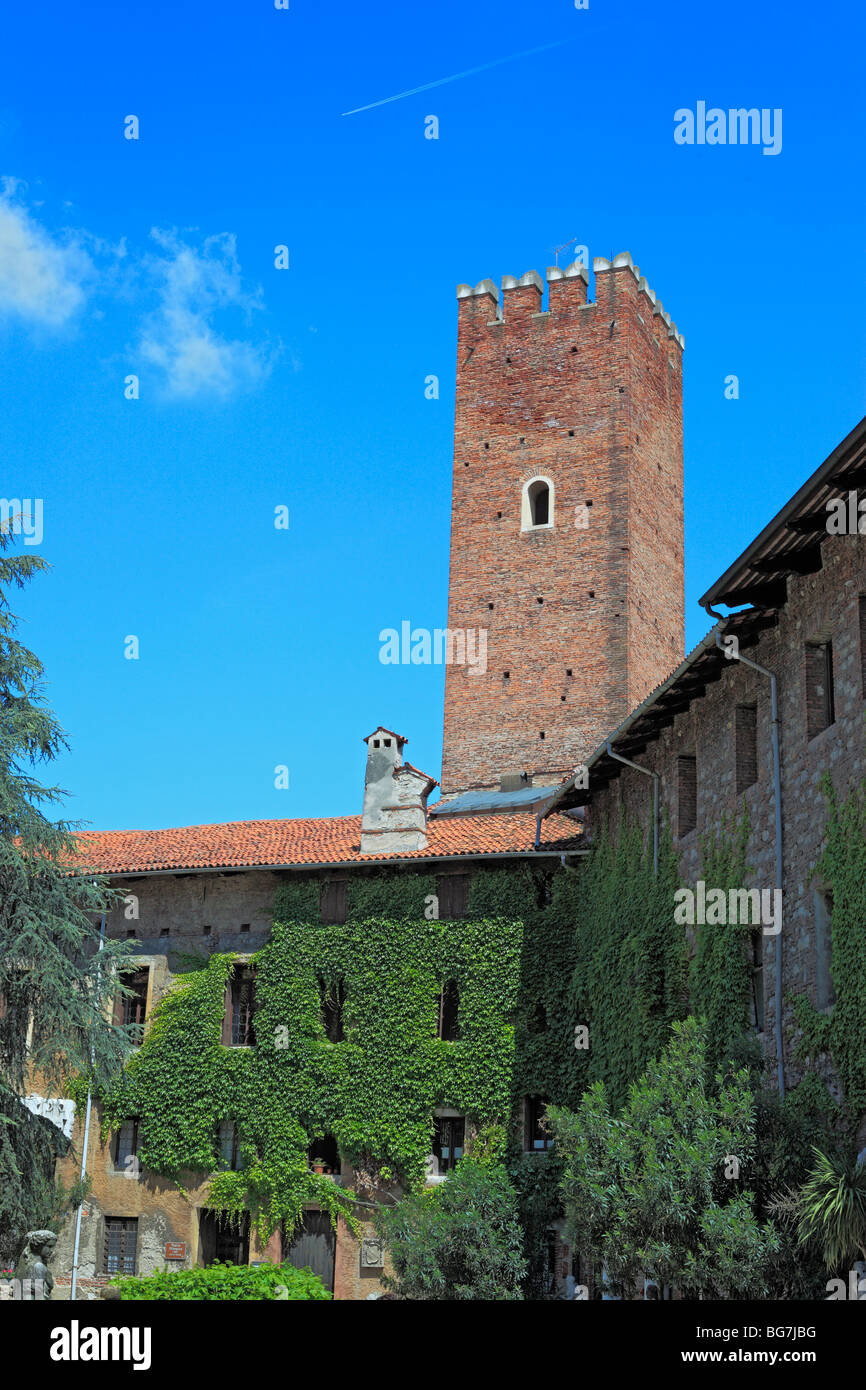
column 736, row 577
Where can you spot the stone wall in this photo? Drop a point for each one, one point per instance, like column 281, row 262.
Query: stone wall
column 826, row 604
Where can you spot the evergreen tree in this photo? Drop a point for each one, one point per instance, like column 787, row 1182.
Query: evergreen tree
column 55, row 983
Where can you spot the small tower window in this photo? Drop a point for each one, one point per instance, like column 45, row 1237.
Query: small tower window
column 537, row 505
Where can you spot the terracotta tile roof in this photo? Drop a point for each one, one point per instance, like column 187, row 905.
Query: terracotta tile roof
column 296, row 843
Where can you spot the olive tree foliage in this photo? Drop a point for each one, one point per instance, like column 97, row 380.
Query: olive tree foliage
column 661, row 1190
column 55, row 983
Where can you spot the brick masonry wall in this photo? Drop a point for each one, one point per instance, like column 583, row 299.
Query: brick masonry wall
column 589, row 396
column 826, row 604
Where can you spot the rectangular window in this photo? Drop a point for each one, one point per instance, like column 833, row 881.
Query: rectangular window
column 820, row 711
column 449, row 1005
column 549, row 1259
column 240, row 1007
column 333, row 902
column 125, row 1146
column 228, row 1146
column 448, row 1136
column 121, row 1239
column 746, row 746
column 687, row 795
column 825, row 990
column 332, row 997
column 757, row 1002
column 538, row 1136
column 452, row 890
column 223, row 1238
column 130, row 1009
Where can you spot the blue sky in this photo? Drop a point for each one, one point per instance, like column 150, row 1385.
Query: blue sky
column 305, row 387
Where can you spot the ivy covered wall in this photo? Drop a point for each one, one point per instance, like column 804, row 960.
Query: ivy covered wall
column 375, row 1092
column 566, row 976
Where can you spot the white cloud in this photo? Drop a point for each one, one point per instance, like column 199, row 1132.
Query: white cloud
column 42, row 277
column 198, row 288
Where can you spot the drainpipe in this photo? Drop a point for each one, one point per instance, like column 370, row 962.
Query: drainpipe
column 77, row 1242
column 655, row 776
column 777, row 798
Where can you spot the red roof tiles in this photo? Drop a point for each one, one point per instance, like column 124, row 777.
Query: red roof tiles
column 297, row 843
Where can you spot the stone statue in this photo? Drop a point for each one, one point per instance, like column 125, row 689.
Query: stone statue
column 36, row 1279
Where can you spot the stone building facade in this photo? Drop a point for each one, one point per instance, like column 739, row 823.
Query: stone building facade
column 706, row 734
column 585, row 402
column 194, row 893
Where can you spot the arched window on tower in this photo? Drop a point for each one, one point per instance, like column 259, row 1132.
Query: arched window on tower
column 537, row 504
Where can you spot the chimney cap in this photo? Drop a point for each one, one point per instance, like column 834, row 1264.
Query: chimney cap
column 382, row 730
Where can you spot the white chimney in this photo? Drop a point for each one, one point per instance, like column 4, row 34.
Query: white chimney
column 394, row 818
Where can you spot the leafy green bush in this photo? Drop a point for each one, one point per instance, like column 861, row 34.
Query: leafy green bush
column 654, row 1191
column 460, row 1240
column 227, row 1282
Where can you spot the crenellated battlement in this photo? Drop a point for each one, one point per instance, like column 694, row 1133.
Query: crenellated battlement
column 565, row 285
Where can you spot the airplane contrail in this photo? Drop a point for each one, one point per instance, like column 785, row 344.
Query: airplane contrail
column 455, row 77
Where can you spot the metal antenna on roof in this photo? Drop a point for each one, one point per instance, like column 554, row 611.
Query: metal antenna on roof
column 564, row 247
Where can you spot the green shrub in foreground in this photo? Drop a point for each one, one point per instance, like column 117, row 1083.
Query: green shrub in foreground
column 230, row 1283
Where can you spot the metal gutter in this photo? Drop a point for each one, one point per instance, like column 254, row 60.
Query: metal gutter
column 704, row 645
column 655, row 776
column 338, row 864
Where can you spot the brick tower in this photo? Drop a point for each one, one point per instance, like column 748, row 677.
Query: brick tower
column 567, row 518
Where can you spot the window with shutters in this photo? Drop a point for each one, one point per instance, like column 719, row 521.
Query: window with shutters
column 125, row 1147
column 452, row 890
column 119, row 1245
column 746, row 746
column 240, row 1007
column 820, row 699
column 687, row 795
column 448, row 1137
column 538, row 1136
column 449, row 1006
column 130, row 1008
column 332, row 903
column 332, row 997
column 228, row 1146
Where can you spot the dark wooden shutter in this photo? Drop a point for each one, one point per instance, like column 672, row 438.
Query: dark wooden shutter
column 453, row 893
column 314, row 1247
column 333, row 902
